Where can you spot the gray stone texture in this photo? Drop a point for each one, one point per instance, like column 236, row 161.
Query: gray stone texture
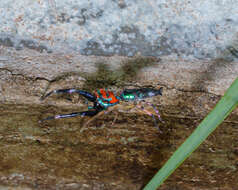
column 191, row 29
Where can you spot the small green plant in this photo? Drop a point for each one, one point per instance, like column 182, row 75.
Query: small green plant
column 223, row 108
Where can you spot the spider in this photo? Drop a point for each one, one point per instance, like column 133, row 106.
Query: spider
column 105, row 101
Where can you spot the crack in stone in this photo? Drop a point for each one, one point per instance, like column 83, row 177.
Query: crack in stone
column 184, row 90
column 24, row 76
column 54, row 80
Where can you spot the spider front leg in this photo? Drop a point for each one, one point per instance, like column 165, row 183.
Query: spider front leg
column 84, row 113
column 90, row 97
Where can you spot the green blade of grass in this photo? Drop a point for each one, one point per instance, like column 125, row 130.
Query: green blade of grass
column 228, row 102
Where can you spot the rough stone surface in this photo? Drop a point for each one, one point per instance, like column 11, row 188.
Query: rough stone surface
column 26, row 75
column 188, row 29
column 123, row 155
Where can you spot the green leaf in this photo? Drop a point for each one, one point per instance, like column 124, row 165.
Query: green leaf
column 227, row 103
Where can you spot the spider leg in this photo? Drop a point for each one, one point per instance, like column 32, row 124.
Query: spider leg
column 90, row 120
column 101, row 112
column 84, row 113
column 150, row 114
column 156, row 110
column 90, row 97
column 115, row 118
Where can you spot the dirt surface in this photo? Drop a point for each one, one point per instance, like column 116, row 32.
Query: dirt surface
column 56, row 155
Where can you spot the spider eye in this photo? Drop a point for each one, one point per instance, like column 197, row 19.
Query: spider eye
column 130, row 97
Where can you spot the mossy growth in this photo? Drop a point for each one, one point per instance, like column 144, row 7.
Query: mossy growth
column 106, row 77
column 131, row 68
column 102, row 78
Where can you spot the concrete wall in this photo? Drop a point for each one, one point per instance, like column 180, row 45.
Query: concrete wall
column 188, row 29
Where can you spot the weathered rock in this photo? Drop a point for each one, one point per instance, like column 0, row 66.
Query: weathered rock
column 57, row 155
